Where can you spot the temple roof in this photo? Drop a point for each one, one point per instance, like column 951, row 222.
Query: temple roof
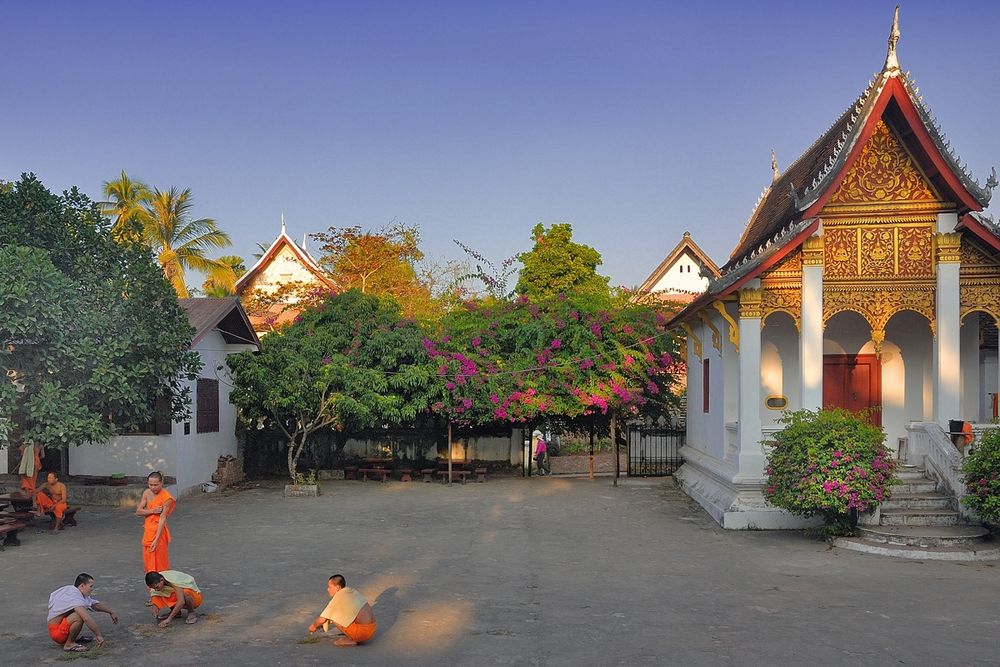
column 686, row 245
column 283, row 240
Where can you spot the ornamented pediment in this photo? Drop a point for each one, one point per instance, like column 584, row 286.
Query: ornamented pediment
column 883, row 172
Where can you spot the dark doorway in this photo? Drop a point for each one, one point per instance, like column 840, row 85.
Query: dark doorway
column 853, row 382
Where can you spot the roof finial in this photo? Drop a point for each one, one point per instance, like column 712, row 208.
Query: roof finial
column 282, row 222
column 891, row 62
column 774, row 167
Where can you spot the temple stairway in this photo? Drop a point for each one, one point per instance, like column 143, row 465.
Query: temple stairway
column 922, row 523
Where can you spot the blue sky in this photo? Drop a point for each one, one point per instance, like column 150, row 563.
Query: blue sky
column 633, row 121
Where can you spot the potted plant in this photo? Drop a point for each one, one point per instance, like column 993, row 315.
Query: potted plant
column 117, row 479
column 303, row 486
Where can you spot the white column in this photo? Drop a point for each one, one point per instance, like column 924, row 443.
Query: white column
column 811, row 325
column 751, row 460
column 947, row 370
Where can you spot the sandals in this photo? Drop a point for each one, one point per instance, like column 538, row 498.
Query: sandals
column 76, row 648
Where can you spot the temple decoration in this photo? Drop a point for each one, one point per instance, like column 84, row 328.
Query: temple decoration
column 775, row 172
column 716, row 338
column 734, row 329
column 983, row 297
column 878, row 303
column 785, row 300
column 750, row 301
column 812, row 251
column 884, row 172
column 949, row 248
column 891, row 61
column 693, row 337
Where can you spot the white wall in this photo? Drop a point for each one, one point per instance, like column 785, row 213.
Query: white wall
column 706, row 431
column 283, row 269
column 190, row 458
column 779, row 366
column 683, row 276
column 969, row 373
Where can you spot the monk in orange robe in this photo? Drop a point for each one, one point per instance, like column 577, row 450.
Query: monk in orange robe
column 155, row 506
column 31, row 463
column 51, row 497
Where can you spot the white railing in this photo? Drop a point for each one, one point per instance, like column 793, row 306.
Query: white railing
column 932, row 447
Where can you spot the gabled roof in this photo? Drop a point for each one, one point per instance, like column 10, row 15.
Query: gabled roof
column 806, row 185
column 283, row 241
column 225, row 314
column 687, row 245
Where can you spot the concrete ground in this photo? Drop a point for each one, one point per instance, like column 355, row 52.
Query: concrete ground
column 512, row 572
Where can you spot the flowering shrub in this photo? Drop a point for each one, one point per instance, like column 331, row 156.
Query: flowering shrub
column 982, row 477
column 832, row 463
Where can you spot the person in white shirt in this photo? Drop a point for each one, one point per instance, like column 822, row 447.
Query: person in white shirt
column 69, row 611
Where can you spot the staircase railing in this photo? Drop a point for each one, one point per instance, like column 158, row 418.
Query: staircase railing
column 930, row 445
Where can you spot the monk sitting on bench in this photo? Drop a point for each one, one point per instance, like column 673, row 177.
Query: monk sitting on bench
column 51, row 497
column 176, row 591
column 349, row 611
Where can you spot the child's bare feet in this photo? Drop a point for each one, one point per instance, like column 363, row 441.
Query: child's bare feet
column 345, row 641
column 192, row 618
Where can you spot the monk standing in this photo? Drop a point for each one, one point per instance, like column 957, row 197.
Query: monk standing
column 51, row 497
column 156, row 505
column 349, row 611
column 31, row 463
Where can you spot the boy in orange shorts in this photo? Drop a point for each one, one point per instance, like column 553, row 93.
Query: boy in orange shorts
column 174, row 590
column 69, row 611
column 349, row 611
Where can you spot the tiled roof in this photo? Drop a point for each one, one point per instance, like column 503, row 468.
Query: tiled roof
column 225, row 314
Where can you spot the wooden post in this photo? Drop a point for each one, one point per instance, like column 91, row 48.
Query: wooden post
column 614, row 443
column 449, row 451
column 591, row 462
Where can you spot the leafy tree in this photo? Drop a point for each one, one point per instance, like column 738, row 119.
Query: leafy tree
column 126, row 201
column 982, row 477
column 556, row 265
column 271, row 310
column 221, row 279
column 350, row 363
column 91, row 334
column 565, row 357
column 382, row 261
column 179, row 242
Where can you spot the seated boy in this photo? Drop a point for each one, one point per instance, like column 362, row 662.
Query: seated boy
column 349, row 611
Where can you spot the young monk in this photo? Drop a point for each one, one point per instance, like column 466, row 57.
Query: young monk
column 349, row 611
column 174, row 590
column 31, row 463
column 155, row 506
column 52, row 497
column 69, row 611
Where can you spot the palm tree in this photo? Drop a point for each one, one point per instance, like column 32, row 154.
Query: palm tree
column 221, row 281
column 126, row 199
column 179, row 242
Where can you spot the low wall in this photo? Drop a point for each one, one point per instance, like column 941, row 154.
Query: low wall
column 578, row 464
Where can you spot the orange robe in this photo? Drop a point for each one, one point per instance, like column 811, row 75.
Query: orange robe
column 161, row 602
column 28, row 481
column 46, row 503
column 158, row 559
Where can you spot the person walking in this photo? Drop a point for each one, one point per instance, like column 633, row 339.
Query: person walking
column 541, row 454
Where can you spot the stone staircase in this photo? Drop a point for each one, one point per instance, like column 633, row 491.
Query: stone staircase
column 921, row 522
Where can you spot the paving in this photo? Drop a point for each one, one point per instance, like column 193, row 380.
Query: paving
column 544, row 571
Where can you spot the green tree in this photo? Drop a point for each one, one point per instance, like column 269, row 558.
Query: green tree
column 221, row 280
column 556, row 265
column 126, row 201
column 179, row 242
column 348, row 364
column 91, row 334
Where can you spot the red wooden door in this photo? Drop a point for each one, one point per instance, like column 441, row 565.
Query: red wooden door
column 853, row 382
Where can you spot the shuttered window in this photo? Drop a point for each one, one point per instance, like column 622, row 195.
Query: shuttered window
column 704, row 384
column 208, row 406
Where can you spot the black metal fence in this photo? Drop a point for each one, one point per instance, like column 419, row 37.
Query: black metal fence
column 654, row 452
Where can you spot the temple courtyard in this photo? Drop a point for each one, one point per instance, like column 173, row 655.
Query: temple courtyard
column 510, row 572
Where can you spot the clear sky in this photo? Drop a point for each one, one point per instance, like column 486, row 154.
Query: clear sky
column 632, row 120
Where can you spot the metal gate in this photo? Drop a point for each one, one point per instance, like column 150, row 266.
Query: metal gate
column 654, row 452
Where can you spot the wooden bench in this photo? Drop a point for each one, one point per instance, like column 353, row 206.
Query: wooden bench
column 461, row 474
column 69, row 517
column 406, row 474
column 380, row 473
column 428, row 474
column 350, row 472
column 8, row 533
column 480, row 474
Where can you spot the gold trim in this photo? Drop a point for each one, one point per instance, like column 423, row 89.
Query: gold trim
column 812, row 251
column 750, row 302
column 878, row 303
column 716, row 339
column 693, row 337
column 949, row 247
column 784, row 301
column 734, row 329
column 778, row 396
column 982, row 298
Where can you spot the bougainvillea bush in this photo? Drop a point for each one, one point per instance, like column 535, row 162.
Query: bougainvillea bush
column 832, row 463
column 521, row 361
column 982, row 477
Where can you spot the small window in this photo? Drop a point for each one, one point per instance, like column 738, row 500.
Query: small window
column 208, row 406
column 776, row 402
column 704, row 384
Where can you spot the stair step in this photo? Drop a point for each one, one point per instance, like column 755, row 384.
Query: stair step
column 924, row 536
column 918, row 517
column 917, row 501
column 926, row 486
column 914, row 475
column 957, row 552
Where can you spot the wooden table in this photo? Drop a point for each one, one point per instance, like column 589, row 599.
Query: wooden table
column 21, row 502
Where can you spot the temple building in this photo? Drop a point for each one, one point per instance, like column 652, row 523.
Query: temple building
column 867, row 277
column 682, row 275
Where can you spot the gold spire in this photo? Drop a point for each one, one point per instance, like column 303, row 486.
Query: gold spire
column 891, row 62
column 774, row 167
